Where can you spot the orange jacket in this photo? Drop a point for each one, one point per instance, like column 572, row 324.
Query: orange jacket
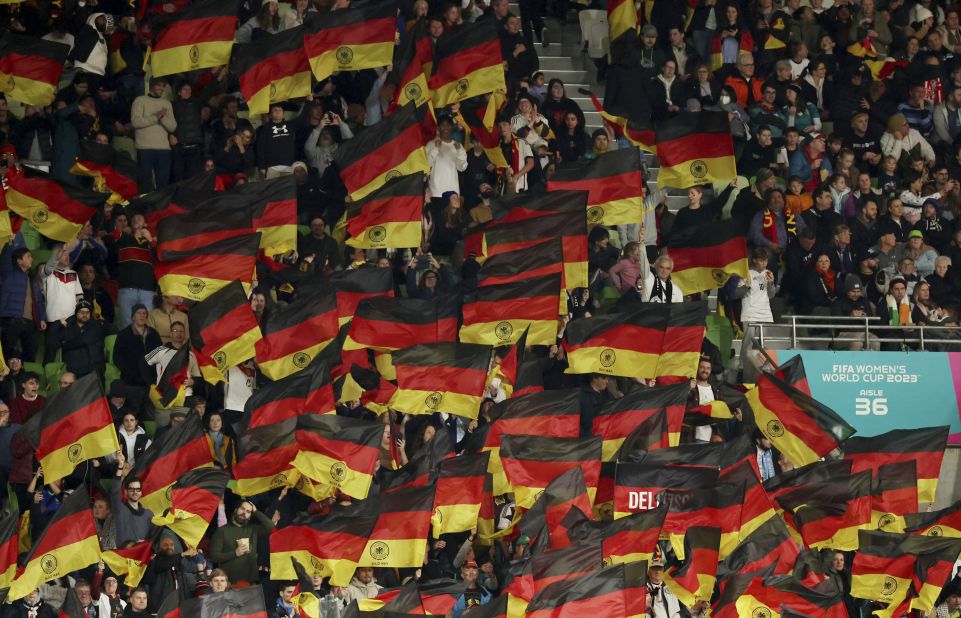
column 747, row 93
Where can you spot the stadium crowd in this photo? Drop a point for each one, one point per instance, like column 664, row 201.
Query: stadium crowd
column 846, row 121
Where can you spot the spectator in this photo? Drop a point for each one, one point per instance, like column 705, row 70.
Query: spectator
column 152, row 117
column 30, row 606
column 757, row 291
column 133, row 439
column 658, row 286
column 363, row 585
column 434, row 280
column 557, row 105
column 89, row 53
column 474, row 594
column 321, row 144
column 276, row 143
column 901, row 140
column 221, row 445
column 29, row 402
column 518, row 155
column 266, row 22
column 234, row 547
column 770, row 228
column 82, row 342
column 897, row 308
column 667, row 91
column 187, row 141
column 625, row 273
column 572, row 142
column 446, row 158
column 61, row 292
column 95, row 294
column 317, row 249
column 161, row 319
column 854, row 304
column 21, row 303
column 819, row 287
column 165, row 571
column 922, row 254
column 747, row 88
column 130, row 349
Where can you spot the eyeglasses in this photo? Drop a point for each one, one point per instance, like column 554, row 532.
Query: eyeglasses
column 135, row 489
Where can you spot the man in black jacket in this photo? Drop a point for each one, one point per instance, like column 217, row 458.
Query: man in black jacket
column 593, row 395
column 187, row 142
column 132, row 345
column 82, row 341
column 276, row 144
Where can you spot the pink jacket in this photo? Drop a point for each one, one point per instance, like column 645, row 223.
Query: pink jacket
column 624, row 274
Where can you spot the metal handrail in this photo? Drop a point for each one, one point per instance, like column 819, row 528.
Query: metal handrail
column 871, row 326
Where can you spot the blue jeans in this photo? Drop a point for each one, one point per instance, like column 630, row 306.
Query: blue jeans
column 153, row 167
column 127, row 298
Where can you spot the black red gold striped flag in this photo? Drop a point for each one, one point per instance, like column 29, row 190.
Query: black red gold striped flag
column 621, row 19
column 223, row 331
column 706, row 255
column 435, row 377
column 194, row 500
column 179, row 451
column 543, row 259
column 265, row 458
column 273, row 212
column 113, row 172
column 894, row 494
column 794, row 374
column 617, row 420
column 75, row 425
column 234, row 603
column 30, row 68
column 390, row 217
column 758, row 507
column 694, row 580
column 627, row 539
column 467, row 63
column 640, row 487
column 353, row 286
column 273, row 69
column 561, row 506
column 390, row 148
column 695, row 148
column 718, row 505
column 617, row 590
column 399, row 538
column 925, row 446
column 460, row 491
column 499, row 314
column 176, row 198
column 56, row 210
column 571, row 562
column 479, row 117
column 934, row 568
column 412, row 64
column 614, row 182
column 130, row 562
column 881, row 571
column 770, row 548
column 170, row 391
column 531, row 462
column 387, row 323
column 800, row 427
column 296, row 334
column 350, row 39
column 214, row 220
column 638, row 131
column 783, row 593
column 198, row 36
column 68, row 543
column 943, row 522
column 329, row 546
column 830, row 514
column 197, row 274
column 9, row 541
column 338, row 451
column 805, row 476
column 305, row 392
column 654, row 341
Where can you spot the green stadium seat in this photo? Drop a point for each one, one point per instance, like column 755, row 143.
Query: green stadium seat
column 53, row 371
column 720, row 332
column 108, row 343
column 110, row 374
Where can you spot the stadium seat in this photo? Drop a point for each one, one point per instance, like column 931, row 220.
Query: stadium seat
column 594, row 32
column 108, row 343
column 720, row 333
column 53, row 371
column 111, row 373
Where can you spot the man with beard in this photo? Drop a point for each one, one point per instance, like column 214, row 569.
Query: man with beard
column 234, row 546
column 165, row 573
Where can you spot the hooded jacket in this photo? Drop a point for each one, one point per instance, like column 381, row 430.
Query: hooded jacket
column 90, row 51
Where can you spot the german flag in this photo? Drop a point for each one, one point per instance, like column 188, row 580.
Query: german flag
column 73, row 427
column 618, row 590
column 933, row 569
column 652, row 434
column 640, row 487
column 894, row 494
column 170, row 391
column 339, row 451
column 329, row 546
column 223, row 331
column 305, row 392
column 264, row 459
column 176, row 198
column 273, row 69
column 113, row 172
column 390, row 217
column 55, row 210
column 393, row 147
column 467, row 63
column 777, row 595
column 273, row 212
column 944, row 522
column 508, row 369
column 800, row 427
column 174, row 606
column 925, row 446
column 9, row 537
column 460, row 491
column 479, row 117
column 543, row 259
column 770, row 548
column 694, row 581
column 831, row 514
column 532, row 462
column 351, row 39
column 30, row 68
column 614, row 182
column 558, row 565
column 194, row 499
column 434, row 377
column 628, row 539
column 805, row 476
column 706, row 255
column 647, row 408
column 664, row 340
column 499, row 314
column 179, row 451
column 195, row 275
column 198, row 36
column 551, row 512
column 719, row 505
column 637, row 131
column 399, row 538
column 234, row 603
column 793, row 373
column 881, row 571
column 621, row 19
column 213, row 220
column 353, row 286
column 386, row 323
column 695, row 148
column 69, row 543
column 296, row 334
column 131, row 563
column 412, row 63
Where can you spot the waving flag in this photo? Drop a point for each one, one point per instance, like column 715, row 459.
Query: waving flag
column 223, row 331
column 390, row 217
column 198, row 36
column 273, row 69
column 614, row 182
column 350, row 39
column 30, row 68
column 56, row 210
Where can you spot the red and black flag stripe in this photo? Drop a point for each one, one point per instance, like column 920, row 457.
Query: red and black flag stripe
column 353, row 286
column 460, row 491
column 412, row 63
column 338, row 451
column 571, row 562
column 273, row 212
column 305, row 392
column 694, row 580
column 390, row 148
column 757, row 507
column 197, row 274
column 805, row 476
column 273, row 69
column 881, row 571
column 499, row 314
column 328, row 546
column 695, row 148
column 936, row 559
column 793, row 373
column 718, row 505
column 388, row 323
column 194, row 500
column 176, row 198
column 894, row 494
column 399, row 538
column 213, row 220
column 444, row 376
column 618, row 590
column 925, row 446
column 390, row 217
column 627, row 539
column 769, row 548
column 56, row 210
column 546, row 258
column 113, row 171
column 198, row 36
column 479, row 117
column 223, row 331
column 130, row 562
column 296, row 334
column 782, row 593
column 234, row 603
column 351, row 39
column 30, row 68
column 943, row 522
column 531, row 462
column 550, row 513
column 614, row 182
column 265, row 458
column 830, row 514
column 467, row 63
column 74, row 426
column 179, row 451
column 9, row 541
column 706, row 255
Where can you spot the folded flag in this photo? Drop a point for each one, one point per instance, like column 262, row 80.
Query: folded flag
column 353, row 286
column 412, row 63
column 131, row 562
column 9, row 541
column 894, row 494
column 113, row 171
column 460, row 491
column 924, row 446
column 329, row 546
column 338, row 451
column 637, row 131
column 273, row 212
column 694, row 580
column 273, row 69
column 194, row 500
column 223, row 331
column 617, row 590
column 169, row 458
column 531, row 463
column 943, row 522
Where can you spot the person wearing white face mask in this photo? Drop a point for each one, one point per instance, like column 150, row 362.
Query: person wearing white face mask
column 736, row 114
